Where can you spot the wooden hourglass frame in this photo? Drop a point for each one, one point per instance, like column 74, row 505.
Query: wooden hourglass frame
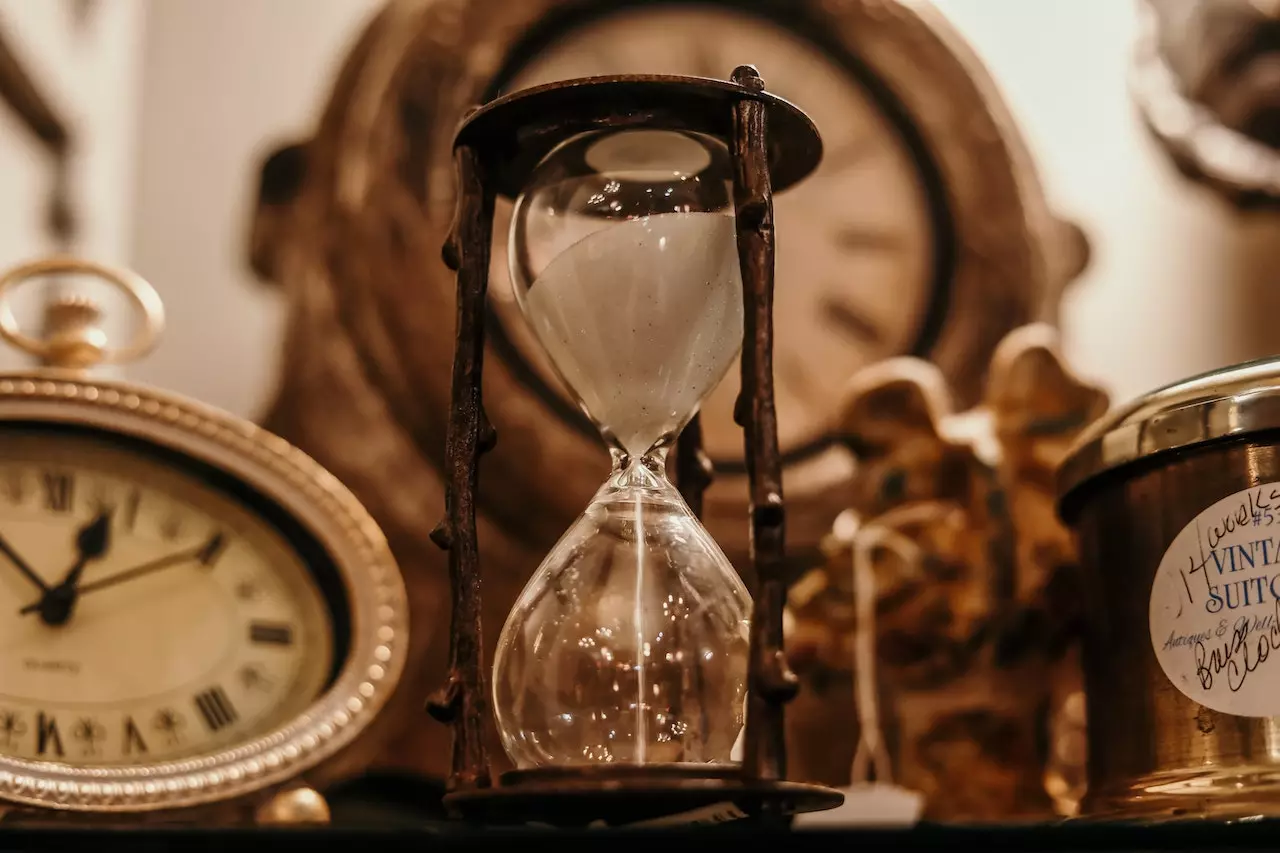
column 771, row 143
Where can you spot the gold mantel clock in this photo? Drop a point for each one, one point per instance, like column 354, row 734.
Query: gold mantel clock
column 199, row 620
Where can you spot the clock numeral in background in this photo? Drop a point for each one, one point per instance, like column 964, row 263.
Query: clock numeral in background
column 15, row 487
column 213, row 549
column 851, row 320
column 271, row 632
column 171, row 527
column 129, row 517
column 47, row 735
column 59, row 490
column 216, row 708
column 133, row 742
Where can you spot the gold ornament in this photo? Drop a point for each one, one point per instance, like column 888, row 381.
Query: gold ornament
column 976, row 607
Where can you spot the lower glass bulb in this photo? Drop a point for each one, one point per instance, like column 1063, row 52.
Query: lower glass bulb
column 630, row 642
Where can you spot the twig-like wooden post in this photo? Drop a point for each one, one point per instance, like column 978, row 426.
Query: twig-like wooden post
column 771, row 682
column 462, row 701
column 693, row 467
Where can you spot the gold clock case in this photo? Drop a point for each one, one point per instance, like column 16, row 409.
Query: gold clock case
column 309, row 749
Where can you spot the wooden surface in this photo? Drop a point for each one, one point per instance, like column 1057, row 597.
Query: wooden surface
column 1072, row 838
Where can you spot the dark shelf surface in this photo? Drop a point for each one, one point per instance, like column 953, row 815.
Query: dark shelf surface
column 1059, row 838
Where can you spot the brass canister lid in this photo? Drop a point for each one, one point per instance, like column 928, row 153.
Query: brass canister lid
column 1231, row 402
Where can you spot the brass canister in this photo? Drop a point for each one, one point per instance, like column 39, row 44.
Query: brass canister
column 1175, row 499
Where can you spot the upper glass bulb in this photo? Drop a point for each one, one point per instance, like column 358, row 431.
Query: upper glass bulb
column 624, row 260
column 629, row 644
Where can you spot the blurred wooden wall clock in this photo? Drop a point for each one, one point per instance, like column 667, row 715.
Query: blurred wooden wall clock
column 925, row 232
column 200, row 622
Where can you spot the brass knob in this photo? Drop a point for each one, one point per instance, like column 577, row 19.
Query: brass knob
column 73, row 336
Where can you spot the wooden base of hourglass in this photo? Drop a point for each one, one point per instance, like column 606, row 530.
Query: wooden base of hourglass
column 653, row 795
column 495, row 149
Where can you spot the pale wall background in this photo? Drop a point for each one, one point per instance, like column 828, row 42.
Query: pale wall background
column 181, row 98
column 93, row 75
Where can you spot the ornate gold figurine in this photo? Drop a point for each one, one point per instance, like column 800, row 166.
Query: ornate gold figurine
column 976, row 605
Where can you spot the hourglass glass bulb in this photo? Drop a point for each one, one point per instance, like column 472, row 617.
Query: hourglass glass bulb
column 629, row 644
column 624, row 261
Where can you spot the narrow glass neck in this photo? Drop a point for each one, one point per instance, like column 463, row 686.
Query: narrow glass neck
column 647, row 471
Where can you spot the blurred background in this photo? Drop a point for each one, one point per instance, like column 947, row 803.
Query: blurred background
column 281, row 171
column 174, row 105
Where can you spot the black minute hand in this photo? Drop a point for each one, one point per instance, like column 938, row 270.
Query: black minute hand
column 133, row 573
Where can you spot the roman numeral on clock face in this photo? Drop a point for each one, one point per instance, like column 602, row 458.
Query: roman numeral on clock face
column 48, row 739
column 272, row 633
column 133, row 742
column 216, row 708
column 212, row 550
column 58, row 491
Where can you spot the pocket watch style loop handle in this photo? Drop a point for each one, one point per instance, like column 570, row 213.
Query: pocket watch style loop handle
column 73, row 336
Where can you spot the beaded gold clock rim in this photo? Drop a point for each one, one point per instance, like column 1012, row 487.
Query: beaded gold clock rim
column 300, row 486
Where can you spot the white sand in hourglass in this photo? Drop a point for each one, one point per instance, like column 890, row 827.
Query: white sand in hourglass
column 642, row 319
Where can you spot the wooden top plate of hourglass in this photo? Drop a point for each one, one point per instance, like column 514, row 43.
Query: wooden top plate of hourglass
column 522, row 127
column 200, row 620
column 641, row 253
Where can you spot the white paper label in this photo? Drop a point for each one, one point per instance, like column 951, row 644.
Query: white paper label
column 1215, row 606
column 869, row 804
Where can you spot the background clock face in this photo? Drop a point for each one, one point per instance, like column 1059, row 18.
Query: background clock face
column 197, row 623
column 857, row 263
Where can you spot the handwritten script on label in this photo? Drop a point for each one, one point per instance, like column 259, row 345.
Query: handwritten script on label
column 1215, row 605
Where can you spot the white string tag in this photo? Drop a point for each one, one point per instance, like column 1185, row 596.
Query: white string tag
column 871, row 798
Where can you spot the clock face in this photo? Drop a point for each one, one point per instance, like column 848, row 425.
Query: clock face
column 151, row 612
column 857, row 263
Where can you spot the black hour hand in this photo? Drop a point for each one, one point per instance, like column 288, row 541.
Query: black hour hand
column 92, row 542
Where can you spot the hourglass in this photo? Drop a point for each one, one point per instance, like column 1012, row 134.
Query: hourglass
column 641, row 252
